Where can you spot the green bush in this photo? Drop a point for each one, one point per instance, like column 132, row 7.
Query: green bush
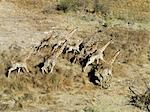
column 102, row 8
column 90, row 109
column 66, row 5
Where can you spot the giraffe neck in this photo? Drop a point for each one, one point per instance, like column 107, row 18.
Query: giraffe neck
column 114, row 57
column 61, row 50
column 104, row 47
column 71, row 33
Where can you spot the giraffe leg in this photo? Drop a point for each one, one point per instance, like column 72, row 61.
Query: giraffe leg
column 101, row 84
column 52, row 69
column 87, row 64
column 11, row 69
column 27, row 70
column 103, row 59
column 9, row 72
column 52, row 66
column 85, row 68
column 74, row 61
column 19, row 70
column 97, row 61
column 43, row 70
column 54, row 47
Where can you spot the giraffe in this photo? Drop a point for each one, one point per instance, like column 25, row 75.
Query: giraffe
column 67, row 37
column 20, row 65
column 44, row 41
column 92, row 49
column 75, row 48
column 52, row 60
column 105, row 71
column 101, row 51
column 97, row 56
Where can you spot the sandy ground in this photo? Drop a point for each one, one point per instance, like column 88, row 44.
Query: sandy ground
column 18, row 26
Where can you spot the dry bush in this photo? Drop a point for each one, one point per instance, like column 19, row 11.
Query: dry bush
column 66, row 5
column 87, row 5
column 91, row 109
column 140, row 100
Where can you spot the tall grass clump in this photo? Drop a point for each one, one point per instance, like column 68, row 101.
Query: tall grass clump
column 66, row 5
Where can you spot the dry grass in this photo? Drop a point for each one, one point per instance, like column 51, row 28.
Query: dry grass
column 58, row 80
column 134, row 44
column 135, row 10
column 28, row 3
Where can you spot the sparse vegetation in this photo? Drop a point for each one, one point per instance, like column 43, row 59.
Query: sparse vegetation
column 66, row 5
column 141, row 100
column 123, row 10
column 91, row 109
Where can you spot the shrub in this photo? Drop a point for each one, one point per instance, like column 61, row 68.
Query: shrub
column 91, row 109
column 140, row 100
column 66, row 5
